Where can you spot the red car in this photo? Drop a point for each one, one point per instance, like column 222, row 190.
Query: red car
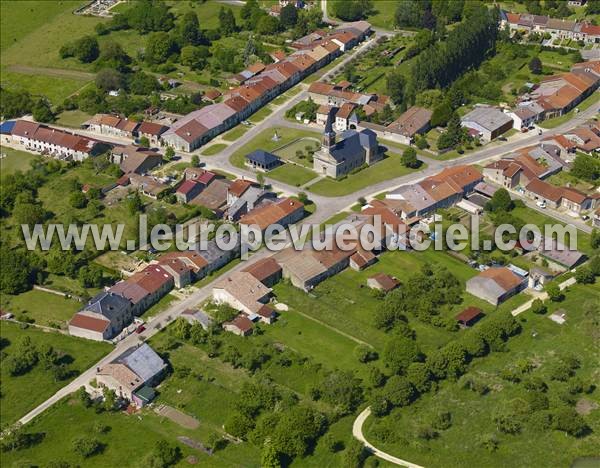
column 140, row 329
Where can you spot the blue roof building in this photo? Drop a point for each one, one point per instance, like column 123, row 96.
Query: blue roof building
column 7, row 127
column 262, row 160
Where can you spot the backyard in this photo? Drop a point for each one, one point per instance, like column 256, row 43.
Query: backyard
column 28, row 390
column 41, row 308
column 12, row 160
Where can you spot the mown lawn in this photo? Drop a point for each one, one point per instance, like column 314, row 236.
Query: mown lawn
column 213, row 149
column 292, row 174
column 21, row 394
column 540, row 342
column 72, row 118
column 42, row 307
column 389, row 168
column 235, row 133
column 55, row 88
column 14, row 160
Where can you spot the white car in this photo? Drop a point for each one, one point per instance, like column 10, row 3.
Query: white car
column 541, row 204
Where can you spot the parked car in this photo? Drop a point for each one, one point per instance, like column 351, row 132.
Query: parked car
column 541, row 204
column 140, row 329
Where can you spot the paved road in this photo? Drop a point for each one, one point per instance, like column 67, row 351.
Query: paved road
column 326, row 208
column 358, row 434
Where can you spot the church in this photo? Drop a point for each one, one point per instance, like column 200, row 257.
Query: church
column 352, row 150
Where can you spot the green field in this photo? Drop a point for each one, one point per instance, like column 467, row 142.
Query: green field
column 292, row 174
column 22, row 393
column 42, row 307
column 15, row 160
column 213, row 149
column 389, row 168
column 72, row 118
column 540, row 343
column 235, row 133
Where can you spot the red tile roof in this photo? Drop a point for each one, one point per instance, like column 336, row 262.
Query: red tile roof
column 89, row 323
column 263, row 269
column 187, row 186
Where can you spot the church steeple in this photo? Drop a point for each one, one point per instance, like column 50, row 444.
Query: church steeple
column 329, row 134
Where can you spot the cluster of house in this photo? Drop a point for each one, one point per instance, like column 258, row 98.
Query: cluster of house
column 113, row 125
column 275, row 10
column 556, row 95
column 584, row 138
column 525, row 171
column 53, row 142
column 557, row 28
column 342, row 102
column 133, row 374
column 260, row 83
column 239, row 200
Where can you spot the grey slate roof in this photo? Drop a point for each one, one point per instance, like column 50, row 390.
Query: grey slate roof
column 353, row 143
column 262, row 157
column 142, row 360
column 108, row 304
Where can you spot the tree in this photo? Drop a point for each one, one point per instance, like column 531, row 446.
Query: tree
column 86, row 49
column 86, row 446
column 159, row 47
column 143, row 83
column 586, row 167
column 419, row 376
column 351, row 10
column 595, row 239
column 296, row 431
column 163, row 455
column 567, row 420
column 227, row 24
column 150, row 15
column 355, row 454
column 399, row 353
column 409, row 158
column 29, row 213
column 194, row 57
column 14, row 104
column 144, row 142
column 189, row 30
column 90, row 276
column 135, row 204
column 113, row 56
column 538, row 307
column 16, row 274
column 554, row 292
column 238, row 425
column 535, row 65
column 108, row 80
column 365, row 353
column 269, row 458
column 267, row 25
column 342, row 390
column 169, row 153
column 84, row 397
column 195, row 160
column 454, row 134
column 584, row 275
column 288, row 16
column 395, row 86
column 500, row 201
column 399, row 391
column 42, row 112
column 441, row 114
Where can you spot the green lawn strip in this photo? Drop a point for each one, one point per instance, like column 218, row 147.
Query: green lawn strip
column 42, row 307
column 261, row 114
column 20, row 394
column 555, row 122
column 292, row 174
column 540, row 341
column 234, row 134
column 14, row 160
column 389, row 168
column 213, row 149
column 159, row 307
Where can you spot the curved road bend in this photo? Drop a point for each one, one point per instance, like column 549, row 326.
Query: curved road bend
column 358, row 434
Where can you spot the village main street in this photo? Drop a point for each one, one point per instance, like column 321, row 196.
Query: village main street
column 326, row 207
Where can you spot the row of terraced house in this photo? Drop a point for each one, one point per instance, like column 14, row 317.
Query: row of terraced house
column 261, row 83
